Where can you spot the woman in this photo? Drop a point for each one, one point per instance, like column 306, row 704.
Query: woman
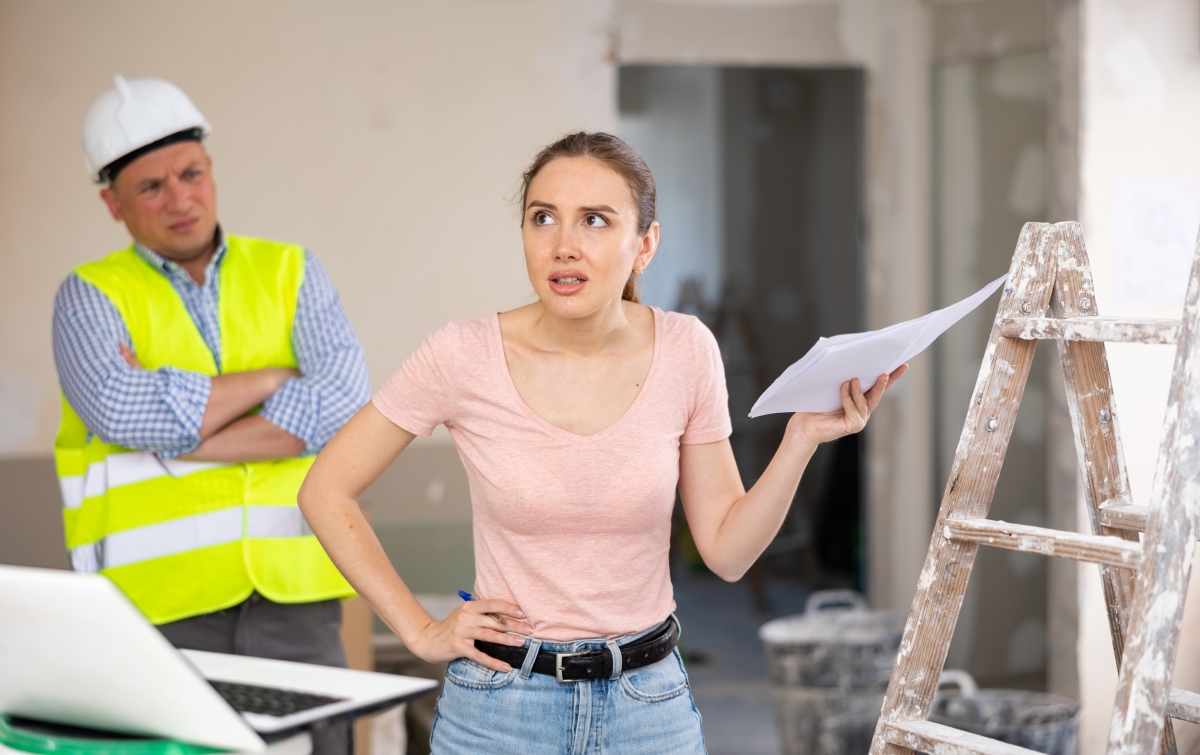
column 576, row 418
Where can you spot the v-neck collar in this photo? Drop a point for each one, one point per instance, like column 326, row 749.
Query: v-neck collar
column 502, row 365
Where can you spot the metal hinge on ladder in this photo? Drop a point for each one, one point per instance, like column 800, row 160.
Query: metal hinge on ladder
column 1050, row 271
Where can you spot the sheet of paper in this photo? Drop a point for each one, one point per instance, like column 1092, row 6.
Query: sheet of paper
column 1154, row 238
column 814, row 383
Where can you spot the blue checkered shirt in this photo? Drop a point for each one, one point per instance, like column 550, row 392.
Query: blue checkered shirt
column 161, row 410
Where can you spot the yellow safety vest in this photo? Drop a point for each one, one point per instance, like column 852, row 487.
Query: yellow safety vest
column 183, row 538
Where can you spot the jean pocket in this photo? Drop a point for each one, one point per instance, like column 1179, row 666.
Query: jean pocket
column 467, row 673
column 658, row 681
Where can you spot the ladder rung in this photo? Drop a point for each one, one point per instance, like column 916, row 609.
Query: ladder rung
column 926, row 736
column 1096, row 549
column 1184, row 705
column 1112, row 329
column 1124, row 516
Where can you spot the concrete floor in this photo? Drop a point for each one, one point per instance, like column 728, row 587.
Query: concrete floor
column 729, row 680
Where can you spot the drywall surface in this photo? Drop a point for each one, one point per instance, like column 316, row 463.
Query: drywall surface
column 31, row 526
column 729, row 32
column 1140, row 162
column 979, row 28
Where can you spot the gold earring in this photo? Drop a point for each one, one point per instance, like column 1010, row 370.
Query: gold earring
column 639, row 270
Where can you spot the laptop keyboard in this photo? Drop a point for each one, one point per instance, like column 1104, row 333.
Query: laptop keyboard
column 248, row 698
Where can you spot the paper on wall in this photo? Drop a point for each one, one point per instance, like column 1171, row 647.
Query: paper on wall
column 814, row 383
column 1154, row 229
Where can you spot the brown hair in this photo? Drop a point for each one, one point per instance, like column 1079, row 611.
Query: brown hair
column 618, row 156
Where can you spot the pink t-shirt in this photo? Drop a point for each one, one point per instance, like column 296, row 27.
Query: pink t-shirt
column 574, row 529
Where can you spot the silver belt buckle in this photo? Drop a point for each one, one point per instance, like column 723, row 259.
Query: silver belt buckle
column 558, row 669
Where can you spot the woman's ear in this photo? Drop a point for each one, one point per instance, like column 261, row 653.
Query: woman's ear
column 649, row 245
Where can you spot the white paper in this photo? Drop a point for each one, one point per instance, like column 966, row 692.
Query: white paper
column 1154, row 225
column 814, row 383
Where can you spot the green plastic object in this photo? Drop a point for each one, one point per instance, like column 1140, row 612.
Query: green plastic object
column 53, row 739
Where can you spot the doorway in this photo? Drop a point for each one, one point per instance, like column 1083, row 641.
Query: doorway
column 760, row 175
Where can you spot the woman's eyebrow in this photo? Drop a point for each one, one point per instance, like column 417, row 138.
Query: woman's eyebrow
column 590, row 208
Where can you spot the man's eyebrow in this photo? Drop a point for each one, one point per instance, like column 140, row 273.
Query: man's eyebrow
column 159, row 179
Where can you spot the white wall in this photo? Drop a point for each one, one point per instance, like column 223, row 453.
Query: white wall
column 1140, row 156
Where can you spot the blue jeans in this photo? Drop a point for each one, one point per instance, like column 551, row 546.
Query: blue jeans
column 647, row 710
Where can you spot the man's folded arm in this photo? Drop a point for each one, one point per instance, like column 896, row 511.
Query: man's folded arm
column 335, row 383
column 167, row 411
column 159, row 411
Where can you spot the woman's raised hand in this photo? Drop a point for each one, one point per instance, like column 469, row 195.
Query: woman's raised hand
column 822, row 427
column 454, row 637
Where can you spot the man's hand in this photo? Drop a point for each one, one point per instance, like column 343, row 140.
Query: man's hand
column 131, row 358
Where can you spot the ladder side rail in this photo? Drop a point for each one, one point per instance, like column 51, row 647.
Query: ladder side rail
column 1093, row 418
column 1095, row 425
column 1144, row 687
column 1085, row 370
column 973, row 476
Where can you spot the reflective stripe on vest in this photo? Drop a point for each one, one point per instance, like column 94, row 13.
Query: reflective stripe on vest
column 187, row 534
column 183, row 538
column 124, row 469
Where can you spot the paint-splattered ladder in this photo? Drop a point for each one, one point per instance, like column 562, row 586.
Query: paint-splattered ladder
column 1144, row 581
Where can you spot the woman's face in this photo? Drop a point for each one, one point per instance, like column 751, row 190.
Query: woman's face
column 581, row 236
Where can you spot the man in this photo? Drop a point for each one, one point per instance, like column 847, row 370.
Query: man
column 200, row 373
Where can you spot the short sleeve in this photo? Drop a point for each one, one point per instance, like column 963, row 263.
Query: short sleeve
column 419, row 396
column 708, row 420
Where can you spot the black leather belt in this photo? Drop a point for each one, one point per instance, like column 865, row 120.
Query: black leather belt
column 592, row 664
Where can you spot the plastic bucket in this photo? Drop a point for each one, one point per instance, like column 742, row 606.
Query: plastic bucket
column 1038, row 721
column 850, row 731
column 829, row 669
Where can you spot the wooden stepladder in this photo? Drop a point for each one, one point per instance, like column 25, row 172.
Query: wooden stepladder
column 1144, row 581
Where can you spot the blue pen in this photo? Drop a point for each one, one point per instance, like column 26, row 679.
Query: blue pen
column 469, row 597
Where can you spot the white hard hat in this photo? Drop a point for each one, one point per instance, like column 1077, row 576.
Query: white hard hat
column 133, row 115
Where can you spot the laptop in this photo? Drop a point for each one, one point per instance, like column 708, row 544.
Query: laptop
column 75, row 651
